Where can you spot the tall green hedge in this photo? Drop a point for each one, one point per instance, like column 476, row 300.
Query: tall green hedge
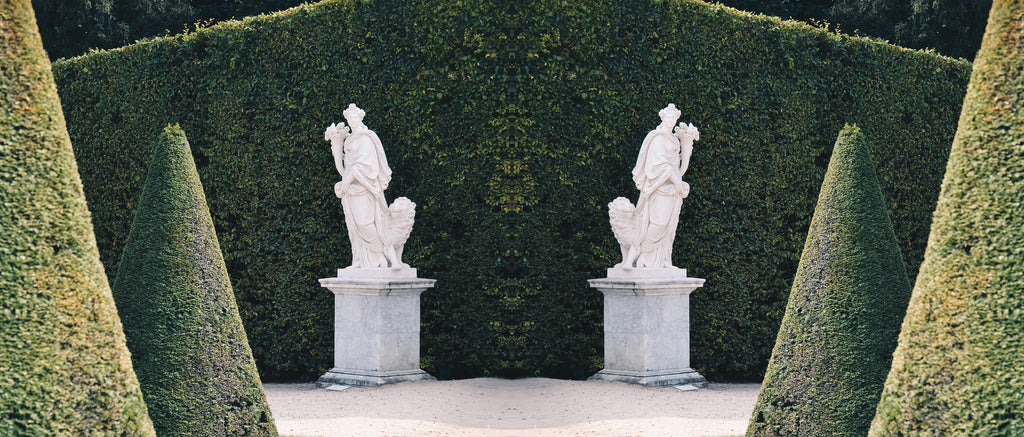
column 844, row 312
column 179, row 314
column 512, row 125
column 958, row 367
column 64, row 367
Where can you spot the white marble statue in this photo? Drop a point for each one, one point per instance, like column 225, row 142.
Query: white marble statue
column 646, row 232
column 377, row 232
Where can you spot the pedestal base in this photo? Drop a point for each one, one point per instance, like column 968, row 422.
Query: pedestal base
column 376, row 330
column 647, row 328
column 653, row 379
column 369, row 379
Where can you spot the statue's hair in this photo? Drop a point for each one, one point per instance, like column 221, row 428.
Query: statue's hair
column 354, row 111
column 669, row 111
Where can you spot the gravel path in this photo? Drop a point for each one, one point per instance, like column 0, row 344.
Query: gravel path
column 491, row 407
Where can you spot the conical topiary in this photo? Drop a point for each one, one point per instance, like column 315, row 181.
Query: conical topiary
column 851, row 289
column 179, row 311
column 64, row 368
column 959, row 366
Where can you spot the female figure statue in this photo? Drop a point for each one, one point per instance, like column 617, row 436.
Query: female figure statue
column 647, row 231
column 377, row 232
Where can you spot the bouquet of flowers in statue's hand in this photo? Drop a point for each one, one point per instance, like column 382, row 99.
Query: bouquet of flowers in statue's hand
column 687, row 131
column 336, row 134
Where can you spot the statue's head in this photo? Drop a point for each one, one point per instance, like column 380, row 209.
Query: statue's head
column 669, row 114
column 354, row 115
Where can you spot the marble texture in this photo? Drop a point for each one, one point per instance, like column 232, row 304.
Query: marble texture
column 646, row 231
column 647, row 330
column 376, row 330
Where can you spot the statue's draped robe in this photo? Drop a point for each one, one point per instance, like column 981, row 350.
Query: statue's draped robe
column 366, row 210
column 657, row 211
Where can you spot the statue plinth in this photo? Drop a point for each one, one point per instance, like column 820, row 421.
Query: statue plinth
column 376, row 327
column 646, row 273
column 647, row 327
column 376, row 272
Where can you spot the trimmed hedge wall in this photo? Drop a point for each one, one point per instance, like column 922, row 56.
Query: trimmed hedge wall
column 957, row 368
column 64, row 368
column 179, row 314
column 850, row 294
column 512, row 125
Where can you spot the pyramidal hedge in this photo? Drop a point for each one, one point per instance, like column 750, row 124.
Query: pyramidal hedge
column 64, row 367
column 959, row 366
column 179, row 313
column 851, row 289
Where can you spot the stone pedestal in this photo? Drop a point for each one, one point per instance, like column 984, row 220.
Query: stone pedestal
column 647, row 327
column 376, row 329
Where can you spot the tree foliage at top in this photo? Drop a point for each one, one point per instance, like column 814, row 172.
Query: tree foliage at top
column 805, row 10
column 958, row 367
column 179, row 311
column 72, row 27
column 877, row 18
column 952, row 27
column 851, row 289
column 64, row 367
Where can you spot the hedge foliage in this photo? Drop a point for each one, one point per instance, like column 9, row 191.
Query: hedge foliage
column 512, row 125
column 851, row 290
column 957, row 369
column 179, row 313
column 64, row 367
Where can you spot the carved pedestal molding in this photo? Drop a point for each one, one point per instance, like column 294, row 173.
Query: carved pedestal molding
column 376, row 329
column 647, row 327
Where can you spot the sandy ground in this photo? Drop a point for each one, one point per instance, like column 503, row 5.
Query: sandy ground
column 491, row 407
